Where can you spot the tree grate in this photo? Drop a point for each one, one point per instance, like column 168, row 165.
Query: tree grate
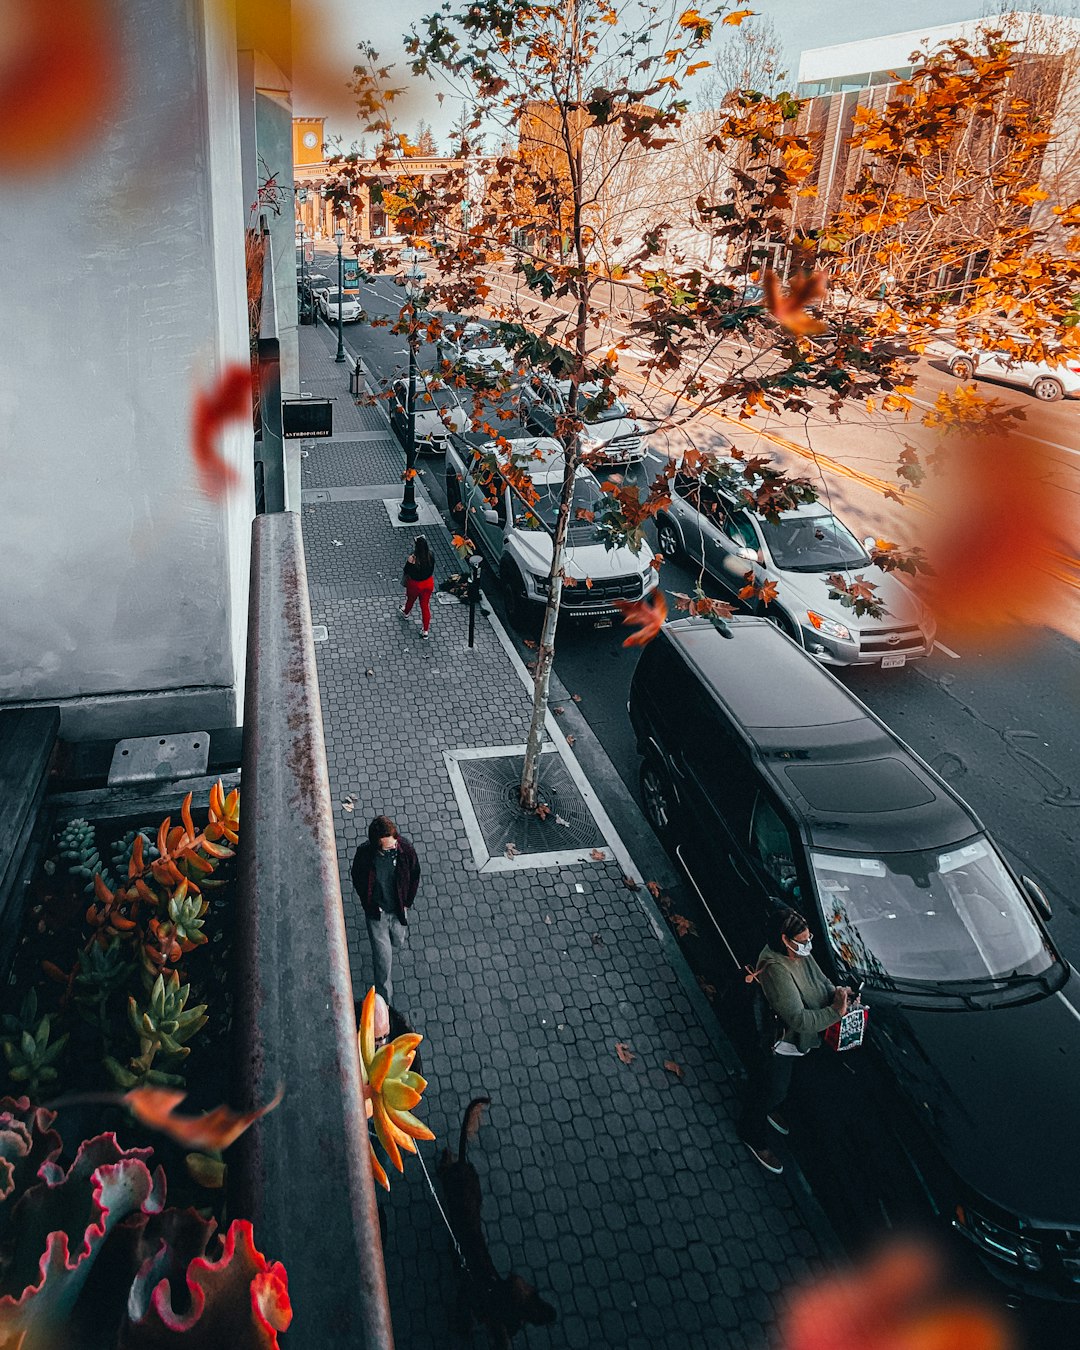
column 492, row 785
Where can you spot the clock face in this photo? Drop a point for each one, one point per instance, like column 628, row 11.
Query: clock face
column 310, row 140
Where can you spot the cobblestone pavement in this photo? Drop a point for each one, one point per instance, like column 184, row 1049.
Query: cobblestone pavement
column 619, row 1189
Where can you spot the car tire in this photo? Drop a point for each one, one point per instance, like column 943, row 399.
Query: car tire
column 779, row 619
column 668, row 539
column 1046, row 389
column 963, row 368
column 515, row 597
column 657, row 799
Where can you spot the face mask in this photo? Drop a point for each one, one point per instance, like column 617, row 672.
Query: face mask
column 802, row 948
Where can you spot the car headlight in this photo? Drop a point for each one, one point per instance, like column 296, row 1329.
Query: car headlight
column 997, row 1241
column 539, row 582
column 828, row 626
column 590, row 443
column 650, row 578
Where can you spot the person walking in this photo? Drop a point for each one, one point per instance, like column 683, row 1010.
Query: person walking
column 419, row 579
column 385, row 875
column 802, row 1003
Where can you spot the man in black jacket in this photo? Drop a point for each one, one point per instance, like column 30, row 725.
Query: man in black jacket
column 385, row 875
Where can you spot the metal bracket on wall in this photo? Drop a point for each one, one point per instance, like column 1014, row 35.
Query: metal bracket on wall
column 144, row 759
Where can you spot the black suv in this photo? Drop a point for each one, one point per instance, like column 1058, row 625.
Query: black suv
column 771, row 781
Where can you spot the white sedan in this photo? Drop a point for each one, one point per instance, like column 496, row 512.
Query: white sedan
column 1046, row 382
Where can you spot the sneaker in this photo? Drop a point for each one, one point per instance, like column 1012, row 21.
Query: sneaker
column 767, row 1158
column 424, row 634
column 403, row 612
column 779, row 1124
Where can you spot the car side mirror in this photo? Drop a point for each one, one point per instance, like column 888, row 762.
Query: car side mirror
column 491, row 516
column 749, row 554
column 870, row 543
column 1037, row 896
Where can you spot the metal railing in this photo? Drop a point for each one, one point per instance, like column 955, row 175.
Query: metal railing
column 303, row 1173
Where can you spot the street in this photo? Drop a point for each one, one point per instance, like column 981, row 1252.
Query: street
column 997, row 720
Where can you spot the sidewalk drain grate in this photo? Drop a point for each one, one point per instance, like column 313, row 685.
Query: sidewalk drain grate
column 486, row 786
column 320, row 632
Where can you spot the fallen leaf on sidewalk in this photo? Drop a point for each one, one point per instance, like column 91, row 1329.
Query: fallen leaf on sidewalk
column 347, row 803
column 672, row 1067
column 598, row 855
column 547, row 918
column 558, row 711
column 511, row 850
column 575, row 698
column 683, row 925
column 570, row 740
column 337, row 543
column 543, row 810
column 597, row 940
column 528, row 642
column 369, row 671
column 709, row 990
column 653, row 888
column 630, row 883
column 625, row 1053
column 559, row 821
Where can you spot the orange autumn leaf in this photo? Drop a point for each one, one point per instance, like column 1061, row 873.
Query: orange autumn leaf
column 674, row 1068
column 624, row 1052
column 790, row 310
column 648, row 615
column 215, row 1130
column 58, row 80
column 226, row 401
column 736, row 17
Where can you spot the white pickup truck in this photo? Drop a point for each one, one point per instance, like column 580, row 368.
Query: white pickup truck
column 517, row 536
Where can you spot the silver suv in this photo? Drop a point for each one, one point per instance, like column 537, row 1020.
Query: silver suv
column 516, row 536
column 611, row 435
column 714, row 531
column 1046, row 382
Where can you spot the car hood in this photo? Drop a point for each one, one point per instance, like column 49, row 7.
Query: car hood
column 609, row 431
column 487, row 356
column 581, row 560
column 902, row 608
column 429, row 423
column 998, row 1092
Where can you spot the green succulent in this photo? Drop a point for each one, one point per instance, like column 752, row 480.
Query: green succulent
column 102, row 971
column 165, row 1025
column 186, row 916
column 31, row 1059
column 78, row 848
column 120, row 855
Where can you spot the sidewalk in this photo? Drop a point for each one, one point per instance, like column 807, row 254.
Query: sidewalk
column 619, row 1189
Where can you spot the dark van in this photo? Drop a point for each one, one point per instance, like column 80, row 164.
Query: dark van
column 772, row 782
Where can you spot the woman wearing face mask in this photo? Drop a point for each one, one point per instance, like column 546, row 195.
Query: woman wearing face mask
column 804, row 1004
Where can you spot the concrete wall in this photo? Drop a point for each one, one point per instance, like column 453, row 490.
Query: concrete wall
column 123, row 592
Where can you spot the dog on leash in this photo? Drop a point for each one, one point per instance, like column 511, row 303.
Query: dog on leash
column 501, row 1304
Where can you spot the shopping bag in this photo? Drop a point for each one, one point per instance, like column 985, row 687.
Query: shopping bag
column 847, row 1034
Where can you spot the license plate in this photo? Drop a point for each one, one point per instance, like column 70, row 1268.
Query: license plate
column 603, row 623
column 893, row 662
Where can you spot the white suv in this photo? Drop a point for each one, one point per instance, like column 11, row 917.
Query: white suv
column 350, row 307
column 517, row 536
column 1046, row 382
column 611, row 434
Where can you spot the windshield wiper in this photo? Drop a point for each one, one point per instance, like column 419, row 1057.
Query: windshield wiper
column 928, row 989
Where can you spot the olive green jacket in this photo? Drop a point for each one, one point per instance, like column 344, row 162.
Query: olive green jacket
column 798, row 992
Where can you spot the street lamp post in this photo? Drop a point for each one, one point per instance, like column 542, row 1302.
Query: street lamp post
column 408, row 514
column 303, row 271
column 339, row 236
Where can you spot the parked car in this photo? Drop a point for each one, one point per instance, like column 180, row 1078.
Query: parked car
column 771, row 781
column 611, row 435
column 475, row 350
column 329, row 302
column 1046, row 382
column 438, row 412
column 516, row 536
column 411, row 275
column 713, row 529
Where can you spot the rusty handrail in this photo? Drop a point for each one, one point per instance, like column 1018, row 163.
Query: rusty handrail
column 303, row 1173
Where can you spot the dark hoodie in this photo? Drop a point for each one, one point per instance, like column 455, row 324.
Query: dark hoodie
column 799, row 994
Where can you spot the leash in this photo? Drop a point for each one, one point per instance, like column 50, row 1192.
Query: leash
column 442, row 1212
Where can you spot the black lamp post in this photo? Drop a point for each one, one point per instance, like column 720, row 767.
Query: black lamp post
column 408, row 514
column 303, row 273
column 339, row 236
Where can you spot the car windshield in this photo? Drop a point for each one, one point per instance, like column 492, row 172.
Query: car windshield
column 475, row 339
column 542, row 513
column 931, row 916
column 444, row 397
column 812, row 544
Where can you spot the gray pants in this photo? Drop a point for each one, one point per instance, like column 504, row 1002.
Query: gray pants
column 386, row 932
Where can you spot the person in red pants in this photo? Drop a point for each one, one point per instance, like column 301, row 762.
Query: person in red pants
column 419, row 579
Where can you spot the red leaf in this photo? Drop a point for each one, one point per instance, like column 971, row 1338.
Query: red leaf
column 624, row 1052
column 647, row 615
column 598, row 855
column 227, row 401
column 653, row 887
column 683, row 925
column 216, row 1129
column 790, row 310
column 630, row 883
column 672, row 1067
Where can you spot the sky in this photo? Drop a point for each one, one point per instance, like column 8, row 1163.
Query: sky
column 344, row 24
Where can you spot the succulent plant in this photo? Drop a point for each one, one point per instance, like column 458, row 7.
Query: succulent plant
column 186, row 914
column 31, row 1058
column 78, row 848
column 120, row 855
column 164, row 1025
column 391, row 1090
column 102, row 970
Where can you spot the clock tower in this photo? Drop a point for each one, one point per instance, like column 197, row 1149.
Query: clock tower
column 307, row 141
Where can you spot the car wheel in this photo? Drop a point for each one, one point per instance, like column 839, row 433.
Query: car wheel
column 779, row 619
column 657, row 798
column 514, row 595
column 963, row 368
column 668, row 538
column 453, row 496
column 1046, row 389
